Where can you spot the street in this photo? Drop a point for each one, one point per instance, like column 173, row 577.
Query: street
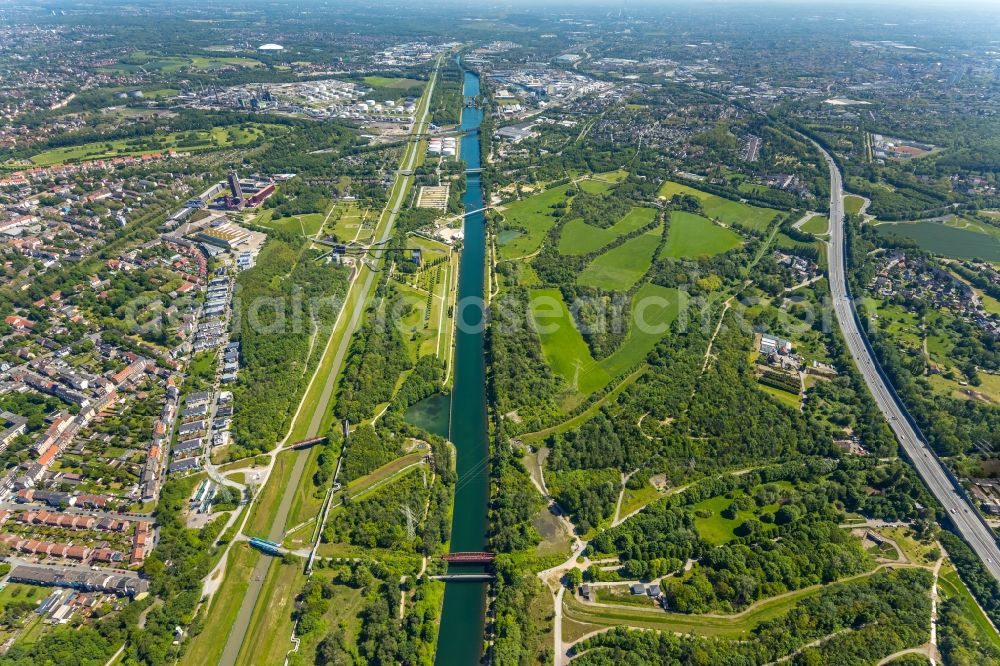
column 931, row 470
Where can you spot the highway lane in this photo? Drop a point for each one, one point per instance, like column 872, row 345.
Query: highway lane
column 968, row 523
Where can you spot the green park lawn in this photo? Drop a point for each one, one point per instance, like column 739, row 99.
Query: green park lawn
column 717, row 529
column 218, row 137
column 392, row 82
column 533, row 218
column 692, row 236
column 564, row 348
column 578, row 237
column 620, row 268
column 853, row 204
column 817, row 224
column 657, row 307
column 727, row 211
column 307, row 224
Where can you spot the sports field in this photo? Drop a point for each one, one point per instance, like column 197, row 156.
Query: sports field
column 691, row 236
column 958, row 238
column 725, row 210
column 578, row 237
column 621, row 267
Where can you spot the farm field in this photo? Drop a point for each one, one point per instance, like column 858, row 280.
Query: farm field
column 691, row 236
column 620, row 268
column 578, row 237
column 727, row 211
column 564, row 348
column 817, row 224
column 196, row 140
column 958, row 238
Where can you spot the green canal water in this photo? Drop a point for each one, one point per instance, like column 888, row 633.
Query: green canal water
column 460, row 637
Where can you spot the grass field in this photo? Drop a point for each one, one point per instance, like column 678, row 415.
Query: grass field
column 717, row 529
column 562, row 344
column 961, row 238
column 783, row 397
column 817, row 224
column 620, row 268
column 654, row 308
column 734, row 626
column 692, row 236
column 207, row 647
column 726, row 210
column 393, row 82
column 171, row 64
column 533, row 216
column 307, row 225
column 346, row 604
column 269, row 635
column 950, row 583
column 578, row 237
column 218, row 137
column 350, row 223
column 853, row 204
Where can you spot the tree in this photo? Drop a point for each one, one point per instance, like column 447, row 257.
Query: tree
column 574, row 578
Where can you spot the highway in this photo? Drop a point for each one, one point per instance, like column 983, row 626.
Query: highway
column 968, row 523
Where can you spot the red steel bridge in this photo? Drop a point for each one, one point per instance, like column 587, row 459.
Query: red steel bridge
column 468, row 558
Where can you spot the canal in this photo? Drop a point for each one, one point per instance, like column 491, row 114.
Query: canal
column 461, row 633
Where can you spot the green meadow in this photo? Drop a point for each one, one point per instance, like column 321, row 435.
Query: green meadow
column 725, row 210
column 192, row 141
column 578, row 237
column 620, row 268
column 692, row 236
column 564, row 348
column 959, row 238
column 653, row 310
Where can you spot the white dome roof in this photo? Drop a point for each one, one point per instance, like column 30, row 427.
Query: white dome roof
column 271, row 47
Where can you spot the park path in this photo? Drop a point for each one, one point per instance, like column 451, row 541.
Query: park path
column 238, row 632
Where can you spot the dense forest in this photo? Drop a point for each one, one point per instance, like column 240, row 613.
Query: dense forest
column 884, row 613
column 285, row 299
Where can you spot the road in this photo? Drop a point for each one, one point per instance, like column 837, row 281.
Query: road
column 931, row 469
column 365, row 283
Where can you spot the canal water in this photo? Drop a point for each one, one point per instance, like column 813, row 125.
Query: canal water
column 460, row 637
